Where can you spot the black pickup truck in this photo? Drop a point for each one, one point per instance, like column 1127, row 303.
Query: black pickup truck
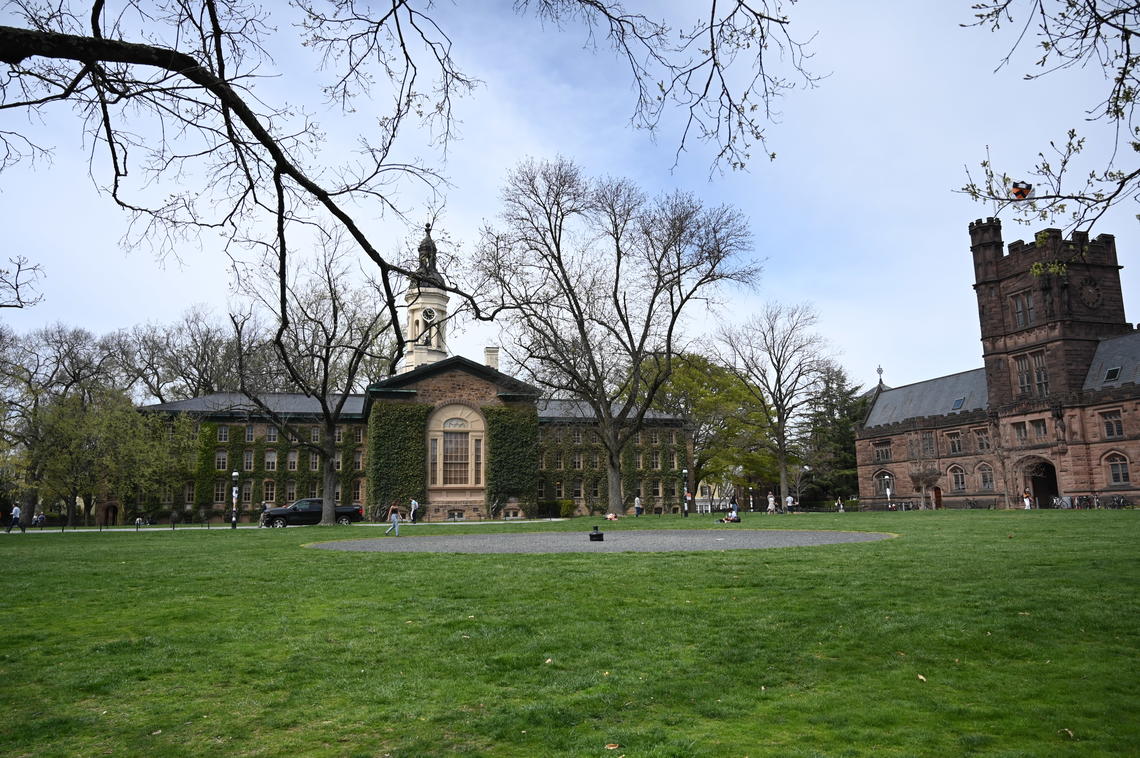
column 308, row 511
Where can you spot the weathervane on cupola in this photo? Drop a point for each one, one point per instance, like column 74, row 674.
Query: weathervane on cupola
column 427, row 309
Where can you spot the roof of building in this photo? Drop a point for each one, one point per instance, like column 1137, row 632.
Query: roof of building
column 1119, row 353
column 956, row 393
column 456, row 362
column 580, row 410
column 237, row 404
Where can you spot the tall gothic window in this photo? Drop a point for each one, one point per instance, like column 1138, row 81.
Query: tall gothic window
column 1117, row 469
column 986, row 477
column 957, row 479
column 1040, row 374
column 1024, row 375
column 1023, row 310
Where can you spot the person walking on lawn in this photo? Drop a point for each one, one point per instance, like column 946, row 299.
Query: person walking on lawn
column 394, row 517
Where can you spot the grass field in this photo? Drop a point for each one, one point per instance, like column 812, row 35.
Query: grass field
column 971, row 633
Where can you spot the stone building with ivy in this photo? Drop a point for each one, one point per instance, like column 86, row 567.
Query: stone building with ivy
column 464, row 439
column 1055, row 409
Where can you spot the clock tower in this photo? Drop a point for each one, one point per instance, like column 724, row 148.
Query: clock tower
column 426, row 328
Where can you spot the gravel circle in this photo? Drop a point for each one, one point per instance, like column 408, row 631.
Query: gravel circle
column 626, row 541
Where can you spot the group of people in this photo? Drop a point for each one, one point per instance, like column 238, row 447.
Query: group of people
column 393, row 515
column 14, row 521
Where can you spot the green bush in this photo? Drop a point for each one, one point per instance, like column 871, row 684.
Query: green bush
column 566, row 508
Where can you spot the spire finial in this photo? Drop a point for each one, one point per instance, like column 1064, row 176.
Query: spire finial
column 428, row 273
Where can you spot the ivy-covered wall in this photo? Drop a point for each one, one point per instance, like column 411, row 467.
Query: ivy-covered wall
column 561, row 443
column 512, row 456
column 397, row 452
column 235, row 446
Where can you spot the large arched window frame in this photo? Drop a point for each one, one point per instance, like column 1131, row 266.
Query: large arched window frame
column 882, row 480
column 957, row 479
column 456, row 447
column 1116, row 469
column 985, row 477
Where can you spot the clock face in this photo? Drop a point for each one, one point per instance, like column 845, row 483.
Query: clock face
column 429, row 314
column 1089, row 292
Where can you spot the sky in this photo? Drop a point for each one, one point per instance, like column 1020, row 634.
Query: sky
column 858, row 215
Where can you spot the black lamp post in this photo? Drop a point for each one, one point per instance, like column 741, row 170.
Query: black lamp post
column 685, row 492
column 233, row 513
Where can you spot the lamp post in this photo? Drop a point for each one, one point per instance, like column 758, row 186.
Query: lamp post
column 233, row 513
column 887, row 478
column 685, row 492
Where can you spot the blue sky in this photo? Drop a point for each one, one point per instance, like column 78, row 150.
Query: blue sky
column 857, row 215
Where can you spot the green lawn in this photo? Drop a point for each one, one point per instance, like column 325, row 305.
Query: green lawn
column 972, row 633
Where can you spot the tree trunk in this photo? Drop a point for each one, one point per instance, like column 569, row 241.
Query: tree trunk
column 331, row 477
column 782, row 462
column 613, row 483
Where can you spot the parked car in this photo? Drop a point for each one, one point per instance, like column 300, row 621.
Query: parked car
column 308, row 511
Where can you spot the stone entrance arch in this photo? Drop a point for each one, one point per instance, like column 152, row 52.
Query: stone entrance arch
column 1039, row 476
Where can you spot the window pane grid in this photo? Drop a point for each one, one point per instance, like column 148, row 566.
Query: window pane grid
column 455, row 460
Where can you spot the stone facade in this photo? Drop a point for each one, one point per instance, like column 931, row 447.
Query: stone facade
column 1056, row 408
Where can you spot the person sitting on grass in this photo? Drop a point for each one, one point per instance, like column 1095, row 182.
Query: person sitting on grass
column 732, row 518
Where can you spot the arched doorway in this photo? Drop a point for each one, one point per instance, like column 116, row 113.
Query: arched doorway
column 936, row 498
column 1039, row 476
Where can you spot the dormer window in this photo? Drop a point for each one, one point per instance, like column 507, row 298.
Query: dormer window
column 958, row 404
column 1112, row 374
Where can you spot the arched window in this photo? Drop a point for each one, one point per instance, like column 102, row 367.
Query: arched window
column 957, row 479
column 883, row 480
column 455, row 447
column 1117, row 469
column 985, row 477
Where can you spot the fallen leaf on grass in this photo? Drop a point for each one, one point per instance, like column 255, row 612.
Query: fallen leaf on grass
column 612, row 746
column 921, row 678
column 1068, row 732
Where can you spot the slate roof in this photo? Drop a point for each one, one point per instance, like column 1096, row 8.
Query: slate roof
column 579, row 410
column 934, row 397
column 1121, row 353
column 237, row 405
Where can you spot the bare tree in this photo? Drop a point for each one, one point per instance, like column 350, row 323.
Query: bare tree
column 594, row 278
column 325, row 344
column 193, row 357
column 18, row 283
column 781, row 361
column 185, row 141
column 1073, row 35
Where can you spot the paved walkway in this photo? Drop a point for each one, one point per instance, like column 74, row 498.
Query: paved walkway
column 624, row 541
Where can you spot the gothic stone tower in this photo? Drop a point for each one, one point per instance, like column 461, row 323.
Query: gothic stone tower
column 1039, row 331
column 427, row 310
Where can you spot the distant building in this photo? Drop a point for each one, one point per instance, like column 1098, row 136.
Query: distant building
column 463, row 438
column 1055, row 409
